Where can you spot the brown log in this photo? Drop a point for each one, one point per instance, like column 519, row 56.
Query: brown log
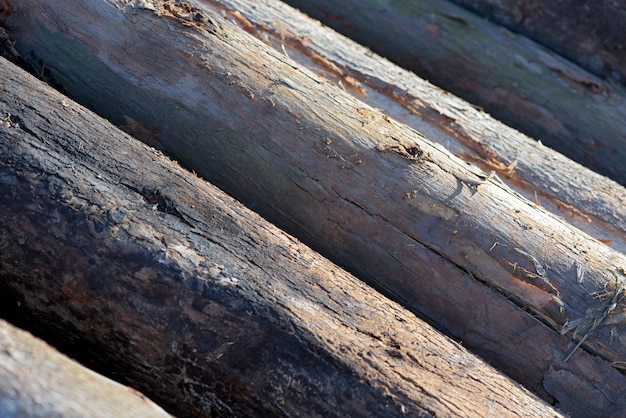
column 374, row 194
column 518, row 81
column 194, row 299
column 38, row 381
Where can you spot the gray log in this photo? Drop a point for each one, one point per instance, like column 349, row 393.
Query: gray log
column 38, row 381
column 584, row 198
column 518, row 81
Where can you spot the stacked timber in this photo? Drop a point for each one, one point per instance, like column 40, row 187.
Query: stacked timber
column 534, row 295
column 114, row 249
column 520, row 82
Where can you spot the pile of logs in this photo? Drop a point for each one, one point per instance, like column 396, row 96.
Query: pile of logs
column 576, row 111
column 146, row 271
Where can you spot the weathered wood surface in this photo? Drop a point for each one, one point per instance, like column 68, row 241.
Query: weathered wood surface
column 371, row 193
column 587, row 200
column 196, row 300
column 514, row 79
column 588, row 33
column 38, row 381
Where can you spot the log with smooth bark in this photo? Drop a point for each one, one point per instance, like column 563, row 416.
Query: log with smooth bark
column 369, row 192
column 196, row 300
column 38, row 381
column 516, row 80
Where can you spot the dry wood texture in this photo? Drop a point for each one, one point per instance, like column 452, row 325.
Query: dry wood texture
column 514, row 79
column 587, row 200
column 456, row 245
column 194, row 299
column 38, row 381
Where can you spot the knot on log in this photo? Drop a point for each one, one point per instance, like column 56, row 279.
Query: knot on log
column 409, row 152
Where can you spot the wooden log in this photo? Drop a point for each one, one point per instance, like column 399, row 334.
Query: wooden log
column 516, row 80
column 196, row 300
column 370, row 192
column 586, row 199
column 592, row 37
column 38, row 381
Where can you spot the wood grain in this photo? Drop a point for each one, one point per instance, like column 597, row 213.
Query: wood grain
column 376, row 196
column 516, row 80
column 178, row 289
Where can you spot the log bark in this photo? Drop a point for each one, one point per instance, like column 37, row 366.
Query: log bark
column 38, row 381
column 194, row 299
column 587, row 200
column 519, row 82
column 371, row 193
column 590, row 35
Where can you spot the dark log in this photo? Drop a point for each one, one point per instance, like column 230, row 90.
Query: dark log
column 589, row 34
column 197, row 301
column 38, row 381
column 375, row 195
column 519, row 82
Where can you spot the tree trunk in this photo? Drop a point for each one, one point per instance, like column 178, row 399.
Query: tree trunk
column 373, row 194
column 512, row 78
column 38, row 381
column 197, row 301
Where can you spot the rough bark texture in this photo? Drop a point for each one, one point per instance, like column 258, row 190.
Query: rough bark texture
column 511, row 77
column 587, row 200
column 590, row 33
column 369, row 192
column 38, row 381
column 194, row 299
